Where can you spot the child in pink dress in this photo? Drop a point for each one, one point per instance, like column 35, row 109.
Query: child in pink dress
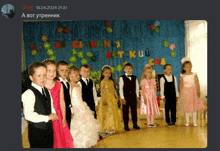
column 189, row 99
column 62, row 135
column 149, row 105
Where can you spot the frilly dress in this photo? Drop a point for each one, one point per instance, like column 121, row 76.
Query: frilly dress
column 84, row 127
column 108, row 116
column 152, row 106
column 189, row 100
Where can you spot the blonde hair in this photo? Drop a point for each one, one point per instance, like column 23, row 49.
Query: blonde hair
column 143, row 76
column 72, row 69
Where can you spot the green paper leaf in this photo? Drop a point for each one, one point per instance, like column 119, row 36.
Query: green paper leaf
column 72, row 59
column 46, row 45
column 74, row 51
column 53, row 58
column 84, row 61
column 33, row 52
column 80, row 54
column 99, row 73
column 50, row 52
column 119, row 68
column 113, row 69
column 89, row 54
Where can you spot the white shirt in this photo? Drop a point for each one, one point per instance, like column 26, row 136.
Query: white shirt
column 169, row 79
column 64, row 81
column 28, row 99
column 94, row 90
column 121, row 85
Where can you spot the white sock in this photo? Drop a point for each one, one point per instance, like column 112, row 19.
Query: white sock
column 187, row 117
column 194, row 117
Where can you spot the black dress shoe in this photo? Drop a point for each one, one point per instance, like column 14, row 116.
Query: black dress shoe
column 127, row 128
column 136, row 127
column 100, row 137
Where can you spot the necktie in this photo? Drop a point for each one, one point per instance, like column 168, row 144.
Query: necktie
column 44, row 94
column 87, row 80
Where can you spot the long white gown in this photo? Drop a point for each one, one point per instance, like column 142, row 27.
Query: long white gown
column 84, row 127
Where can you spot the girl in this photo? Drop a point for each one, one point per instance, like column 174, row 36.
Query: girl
column 189, row 100
column 84, row 127
column 149, row 105
column 108, row 109
column 62, row 135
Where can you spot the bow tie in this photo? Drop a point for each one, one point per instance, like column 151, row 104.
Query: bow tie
column 129, row 75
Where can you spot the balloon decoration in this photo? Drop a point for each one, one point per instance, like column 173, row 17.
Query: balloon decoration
column 152, row 27
column 32, row 46
column 33, row 52
column 173, row 54
column 166, row 43
column 109, row 30
column 157, row 30
column 172, row 47
column 44, row 38
column 155, row 27
column 156, row 23
column 107, row 23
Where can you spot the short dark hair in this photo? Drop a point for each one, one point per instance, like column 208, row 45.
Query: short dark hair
column 33, row 66
column 61, row 63
column 85, row 66
column 128, row 64
column 164, row 67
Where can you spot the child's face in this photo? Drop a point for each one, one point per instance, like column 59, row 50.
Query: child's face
column 40, row 76
column 187, row 67
column 74, row 76
column 51, row 71
column 63, row 71
column 85, row 72
column 128, row 69
column 148, row 73
column 168, row 70
column 107, row 73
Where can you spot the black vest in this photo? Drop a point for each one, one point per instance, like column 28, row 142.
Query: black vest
column 129, row 87
column 169, row 88
column 87, row 93
column 42, row 106
column 67, row 94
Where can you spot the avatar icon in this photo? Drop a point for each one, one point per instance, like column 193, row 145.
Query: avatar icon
column 8, row 11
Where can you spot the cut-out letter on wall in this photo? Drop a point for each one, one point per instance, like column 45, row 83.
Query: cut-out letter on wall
column 121, row 53
column 80, row 44
column 132, row 54
column 88, row 44
column 118, row 44
column 99, row 43
column 141, row 53
column 107, row 43
column 75, row 44
column 163, row 61
column 151, row 62
column 93, row 43
column 109, row 55
column 157, row 61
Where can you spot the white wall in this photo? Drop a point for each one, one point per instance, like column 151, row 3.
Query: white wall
column 196, row 49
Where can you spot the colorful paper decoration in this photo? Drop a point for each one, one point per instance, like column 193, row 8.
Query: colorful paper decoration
column 156, row 23
column 151, row 62
column 63, row 44
column 152, row 27
column 99, row 73
column 166, row 43
column 80, row 44
column 107, row 43
column 46, row 45
column 113, row 69
column 89, row 54
column 33, row 52
column 66, row 30
column 147, row 53
column 53, row 58
column 132, row 54
column 118, row 44
column 99, row 44
column 58, row 44
column 141, row 53
column 107, row 23
column 163, row 61
column 70, row 64
column 50, row 52
column 74, row 44
column 93, row 43
column 121, row 53
column 93, row 58
column 172, row 47
column 109, row 55
column 59, row 30
column 114, row 54
column 125, row 63
column 157, row 30
column 173, row 54
column 74, row 51
column 44, row 38
column 80, row 54
column 109, row 29
column 157, row 61
column 38, row 47
column 72, row 59
column 32, row 46
column 119, row 68
column 88, row 44
column 92, row 74
column 84, row 61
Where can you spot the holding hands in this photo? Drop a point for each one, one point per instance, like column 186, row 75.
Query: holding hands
column 53, row 117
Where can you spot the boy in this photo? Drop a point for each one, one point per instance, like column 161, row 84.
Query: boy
column 38, row 108
column 169, row 94
column 129, row 94
column 63, row 71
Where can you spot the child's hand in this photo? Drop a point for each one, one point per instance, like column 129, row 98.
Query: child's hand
column 176, row 98
column 164, row 100
column 96, row 108
column 72, row 115
column 64, row 123
column 53, row 117
column 123, row 101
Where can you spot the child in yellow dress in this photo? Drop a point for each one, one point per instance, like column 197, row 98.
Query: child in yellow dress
column 108, row 116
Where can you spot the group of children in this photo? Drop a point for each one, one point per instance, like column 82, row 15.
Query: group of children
column 64, row 112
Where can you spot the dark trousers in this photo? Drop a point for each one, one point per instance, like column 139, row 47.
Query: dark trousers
column 170, row 105
column 68, row 116
column 133, row 106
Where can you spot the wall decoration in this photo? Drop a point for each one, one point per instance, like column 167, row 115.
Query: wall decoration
column 59, row 30
column 89, row 54
column 163, row 61
column 66, row 30
column 113, row 69
column 118, row 44
column 99, row 44
column 109, row 29
column 151, row 62
column 80, row 54
column 63, row 44
column 38, row 47
column 74, row 51
column 84, row 61
column 32, row 46
column 46, row 45
column 141, row 53
column 72, row 59
column 156, row 23
column 93, row 44
column 125, row 63
column 119, row 68
column 93, row 58
column 53, row 58
column 173, row 54
column 74, row 44
column 132, row 54
column 157, row 61
column 114, row 54
column 152, row 27
column 33, row 52
column 50, row 52
column 172, row 46
column 107, row 23
column 70, row 64
column 157, row 30
column 147, row 53
column 109, row 55
column 166, row 43
column 58, row 44
column 44, row 38
column 121, row 53
column 80, row 44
